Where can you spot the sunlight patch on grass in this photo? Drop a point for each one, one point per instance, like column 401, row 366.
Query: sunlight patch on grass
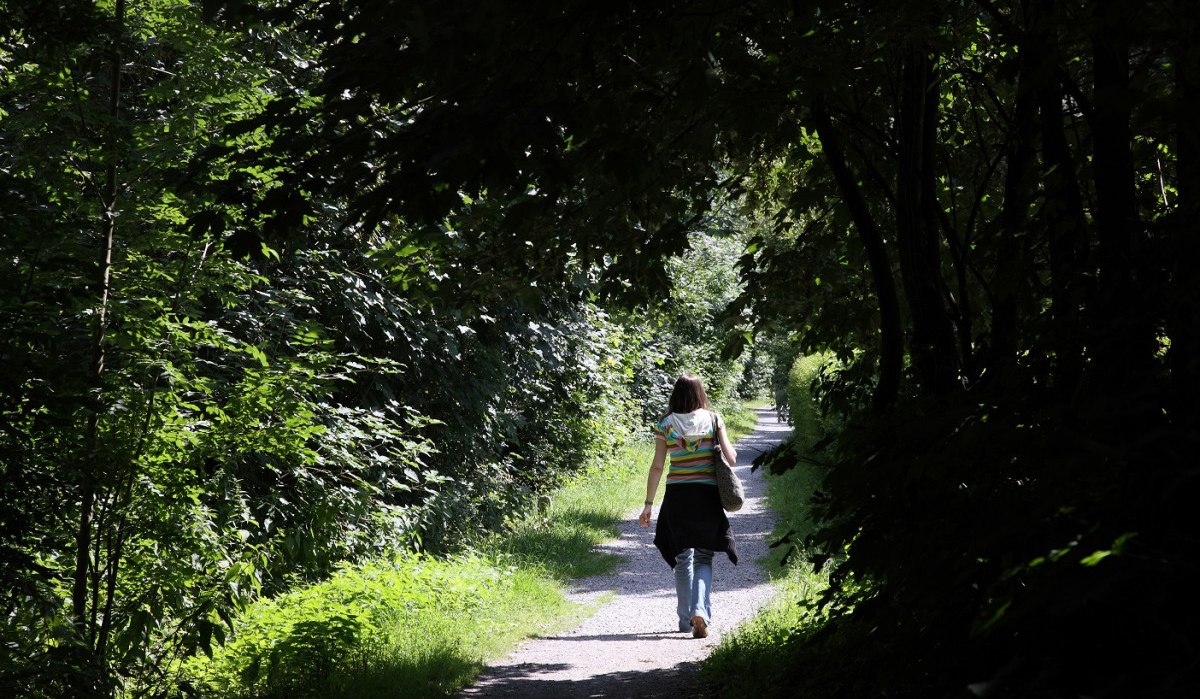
column 414, row 625
column 409, row 626
column 581, row 515
column 740, row 421
column 419, row 626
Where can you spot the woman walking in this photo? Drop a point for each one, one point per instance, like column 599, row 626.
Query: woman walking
column 691, row 524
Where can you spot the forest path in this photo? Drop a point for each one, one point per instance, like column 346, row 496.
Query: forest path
column 630, row 647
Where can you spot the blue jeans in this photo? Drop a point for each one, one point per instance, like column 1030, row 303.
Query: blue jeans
column 693, row 584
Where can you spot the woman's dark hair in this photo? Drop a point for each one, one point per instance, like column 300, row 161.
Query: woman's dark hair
column 688, row 395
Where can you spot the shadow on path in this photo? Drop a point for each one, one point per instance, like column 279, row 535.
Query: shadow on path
column 630, row 647
column 526, row 680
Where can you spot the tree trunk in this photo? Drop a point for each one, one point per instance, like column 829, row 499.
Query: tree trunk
column 933, row 349
column 962, row 310
column 891, row 342
column 1183, row 318
column 1122, row 341
column 89, row 473
column 1066, row 229
column 1012, row 260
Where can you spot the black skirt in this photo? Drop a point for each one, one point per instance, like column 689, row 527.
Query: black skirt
column 691, row 517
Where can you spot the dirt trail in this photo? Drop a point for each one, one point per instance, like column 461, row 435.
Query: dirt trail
column 630, row 647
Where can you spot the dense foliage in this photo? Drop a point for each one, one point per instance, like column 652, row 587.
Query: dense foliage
column 982, row 209
column 206, row 399
column 992, row 202
column 287, row 282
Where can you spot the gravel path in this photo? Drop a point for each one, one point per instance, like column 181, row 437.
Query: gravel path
column 630, row 647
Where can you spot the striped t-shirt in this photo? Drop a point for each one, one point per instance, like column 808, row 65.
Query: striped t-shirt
column 691, row 461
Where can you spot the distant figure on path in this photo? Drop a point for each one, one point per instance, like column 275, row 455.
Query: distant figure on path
column 781, row 402
column 691, row 524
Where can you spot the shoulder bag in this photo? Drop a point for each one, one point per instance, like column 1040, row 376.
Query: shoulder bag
column 733, row 496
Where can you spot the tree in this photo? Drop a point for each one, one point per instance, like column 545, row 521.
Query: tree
column 972, row 172
column 144, row 412
column 213, row 389
column 981, row 208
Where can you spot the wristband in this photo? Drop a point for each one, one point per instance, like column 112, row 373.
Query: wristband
column 650, row 502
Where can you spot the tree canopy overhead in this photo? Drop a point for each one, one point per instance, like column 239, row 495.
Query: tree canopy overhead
column 548, row 138
column 581, row 132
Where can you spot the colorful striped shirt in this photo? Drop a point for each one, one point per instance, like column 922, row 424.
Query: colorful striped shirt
column 691, row 461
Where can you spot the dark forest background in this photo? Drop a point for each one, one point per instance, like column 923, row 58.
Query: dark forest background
column 287, row 282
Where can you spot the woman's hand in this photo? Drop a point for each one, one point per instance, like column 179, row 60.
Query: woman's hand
column 652, row 478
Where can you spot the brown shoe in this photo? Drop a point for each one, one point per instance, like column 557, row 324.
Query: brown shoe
column 699, row 627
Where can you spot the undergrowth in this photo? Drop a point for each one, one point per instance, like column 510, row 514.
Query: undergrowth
column 414, row 625
column 740, row 419
column 420, row 626
column 559, row 537
column 411, row 626
column 749, row 662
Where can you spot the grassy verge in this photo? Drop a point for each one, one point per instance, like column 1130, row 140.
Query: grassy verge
column 418, row 626
column 741, row 419
column 412, row 626
column 560, row 542
column 753, row 661
column 585, row 512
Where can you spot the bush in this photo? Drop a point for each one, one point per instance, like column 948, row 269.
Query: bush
column 753, row 661
column 409, row 626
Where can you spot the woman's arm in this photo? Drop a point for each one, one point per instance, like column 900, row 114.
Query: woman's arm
column 652, row 479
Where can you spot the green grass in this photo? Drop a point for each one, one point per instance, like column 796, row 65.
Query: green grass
column 419, row 626
column 740, row 420
column 583, row 513
column 758, row 403
column 753, row 660
column 411, row 626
